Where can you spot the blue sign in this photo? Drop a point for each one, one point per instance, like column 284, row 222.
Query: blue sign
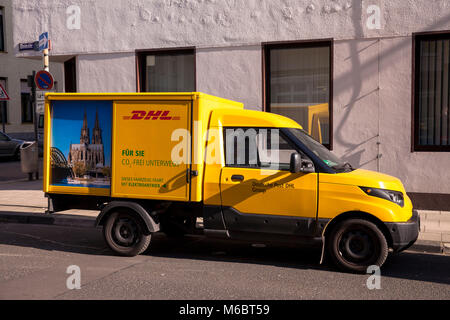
column 43, row 41
column 44, row 80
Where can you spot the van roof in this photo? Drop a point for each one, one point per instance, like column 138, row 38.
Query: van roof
column 135, row 96
column 252, row 118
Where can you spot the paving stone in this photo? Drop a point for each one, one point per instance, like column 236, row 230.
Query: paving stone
column 446, row 237
column 430, row 236
column 429, row 225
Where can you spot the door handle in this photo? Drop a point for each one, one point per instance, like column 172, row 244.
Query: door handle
column 238, row 177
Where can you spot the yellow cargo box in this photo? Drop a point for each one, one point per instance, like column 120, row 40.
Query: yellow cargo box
column 127, row 145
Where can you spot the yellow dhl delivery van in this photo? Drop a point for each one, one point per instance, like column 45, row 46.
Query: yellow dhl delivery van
column 154, row 162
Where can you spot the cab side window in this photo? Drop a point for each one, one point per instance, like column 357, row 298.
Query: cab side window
column 259, row 148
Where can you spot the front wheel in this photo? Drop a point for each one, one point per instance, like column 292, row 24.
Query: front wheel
column 124, row 234
column 355, row 244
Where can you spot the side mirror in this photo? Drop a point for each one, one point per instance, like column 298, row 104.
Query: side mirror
column 307, row 166
column 295, row 164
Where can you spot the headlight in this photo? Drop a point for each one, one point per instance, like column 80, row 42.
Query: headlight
column 393, row 196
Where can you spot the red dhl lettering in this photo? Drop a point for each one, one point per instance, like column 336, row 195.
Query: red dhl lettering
column 150, row 115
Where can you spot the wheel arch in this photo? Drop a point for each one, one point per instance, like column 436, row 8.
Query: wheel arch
column 358, row 215
column 135, row 208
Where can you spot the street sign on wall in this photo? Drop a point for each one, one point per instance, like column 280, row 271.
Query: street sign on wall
column 29, row 46
column 44, row 80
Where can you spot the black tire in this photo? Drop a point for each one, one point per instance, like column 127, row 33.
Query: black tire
column 355, row 244
column 124, row 234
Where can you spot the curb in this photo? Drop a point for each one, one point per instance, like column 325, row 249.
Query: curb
column 429, row 246
column 47, row 219
column 13, row 181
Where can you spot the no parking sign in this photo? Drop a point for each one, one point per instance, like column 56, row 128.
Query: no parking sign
column 44, row 80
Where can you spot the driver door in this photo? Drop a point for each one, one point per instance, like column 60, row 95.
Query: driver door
column 258, row 192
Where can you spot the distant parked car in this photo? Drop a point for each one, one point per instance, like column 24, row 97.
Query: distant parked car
column 9, row 147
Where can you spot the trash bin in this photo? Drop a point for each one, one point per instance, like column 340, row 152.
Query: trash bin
column 29, row 154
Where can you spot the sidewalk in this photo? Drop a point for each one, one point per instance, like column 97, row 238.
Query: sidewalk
column 435, row 228
column 24, row 202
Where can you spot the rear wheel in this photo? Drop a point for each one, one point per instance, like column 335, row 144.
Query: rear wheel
column 355, row 244
column 124, row 234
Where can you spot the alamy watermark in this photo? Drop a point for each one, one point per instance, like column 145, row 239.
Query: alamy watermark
column 374, row 280
column 373, row 21
column 73, row 21
column 74, row 280
column 243, row 146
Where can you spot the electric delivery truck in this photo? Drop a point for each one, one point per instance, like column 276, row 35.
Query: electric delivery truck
column 151, row 162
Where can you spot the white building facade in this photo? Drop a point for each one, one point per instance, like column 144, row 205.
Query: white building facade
column 17, row 112
column 367, row 78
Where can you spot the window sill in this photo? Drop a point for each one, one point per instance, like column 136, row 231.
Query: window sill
column 431, row 149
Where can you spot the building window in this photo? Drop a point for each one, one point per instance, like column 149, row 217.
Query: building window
column 167, row 71
column 432, row 92
column 3, row 106
column 25, row 98
column 2, row 31
column 298, row 84
column 70, row 75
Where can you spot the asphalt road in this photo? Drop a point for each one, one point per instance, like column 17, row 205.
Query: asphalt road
column 34, row 260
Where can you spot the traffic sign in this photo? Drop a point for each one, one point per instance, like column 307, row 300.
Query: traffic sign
column 40, row 95
column 44, row 80
column 43, row 41
column 3, row 94
column 40, row 107
column 40, row 101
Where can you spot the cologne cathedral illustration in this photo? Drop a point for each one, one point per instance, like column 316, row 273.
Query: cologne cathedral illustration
column 90, row 154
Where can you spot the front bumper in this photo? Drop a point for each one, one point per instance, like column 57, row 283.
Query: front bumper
column 404, row 234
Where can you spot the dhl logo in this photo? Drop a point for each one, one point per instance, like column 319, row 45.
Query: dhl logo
column 150, row 115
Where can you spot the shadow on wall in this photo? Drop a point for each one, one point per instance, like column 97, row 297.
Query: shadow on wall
column 354, row 76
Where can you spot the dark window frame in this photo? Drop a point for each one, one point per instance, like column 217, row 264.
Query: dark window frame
column 70, row 74
column 267, row 46
column 141, row 55
column 416, row 37
column 2, row 30
column 30, row 105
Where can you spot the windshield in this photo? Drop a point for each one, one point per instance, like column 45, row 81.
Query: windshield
column 321, row 152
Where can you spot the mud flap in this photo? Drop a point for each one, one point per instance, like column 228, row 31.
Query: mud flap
column 323, row 250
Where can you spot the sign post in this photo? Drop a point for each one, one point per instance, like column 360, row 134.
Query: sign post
column 32, row 84
column 43, row 46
